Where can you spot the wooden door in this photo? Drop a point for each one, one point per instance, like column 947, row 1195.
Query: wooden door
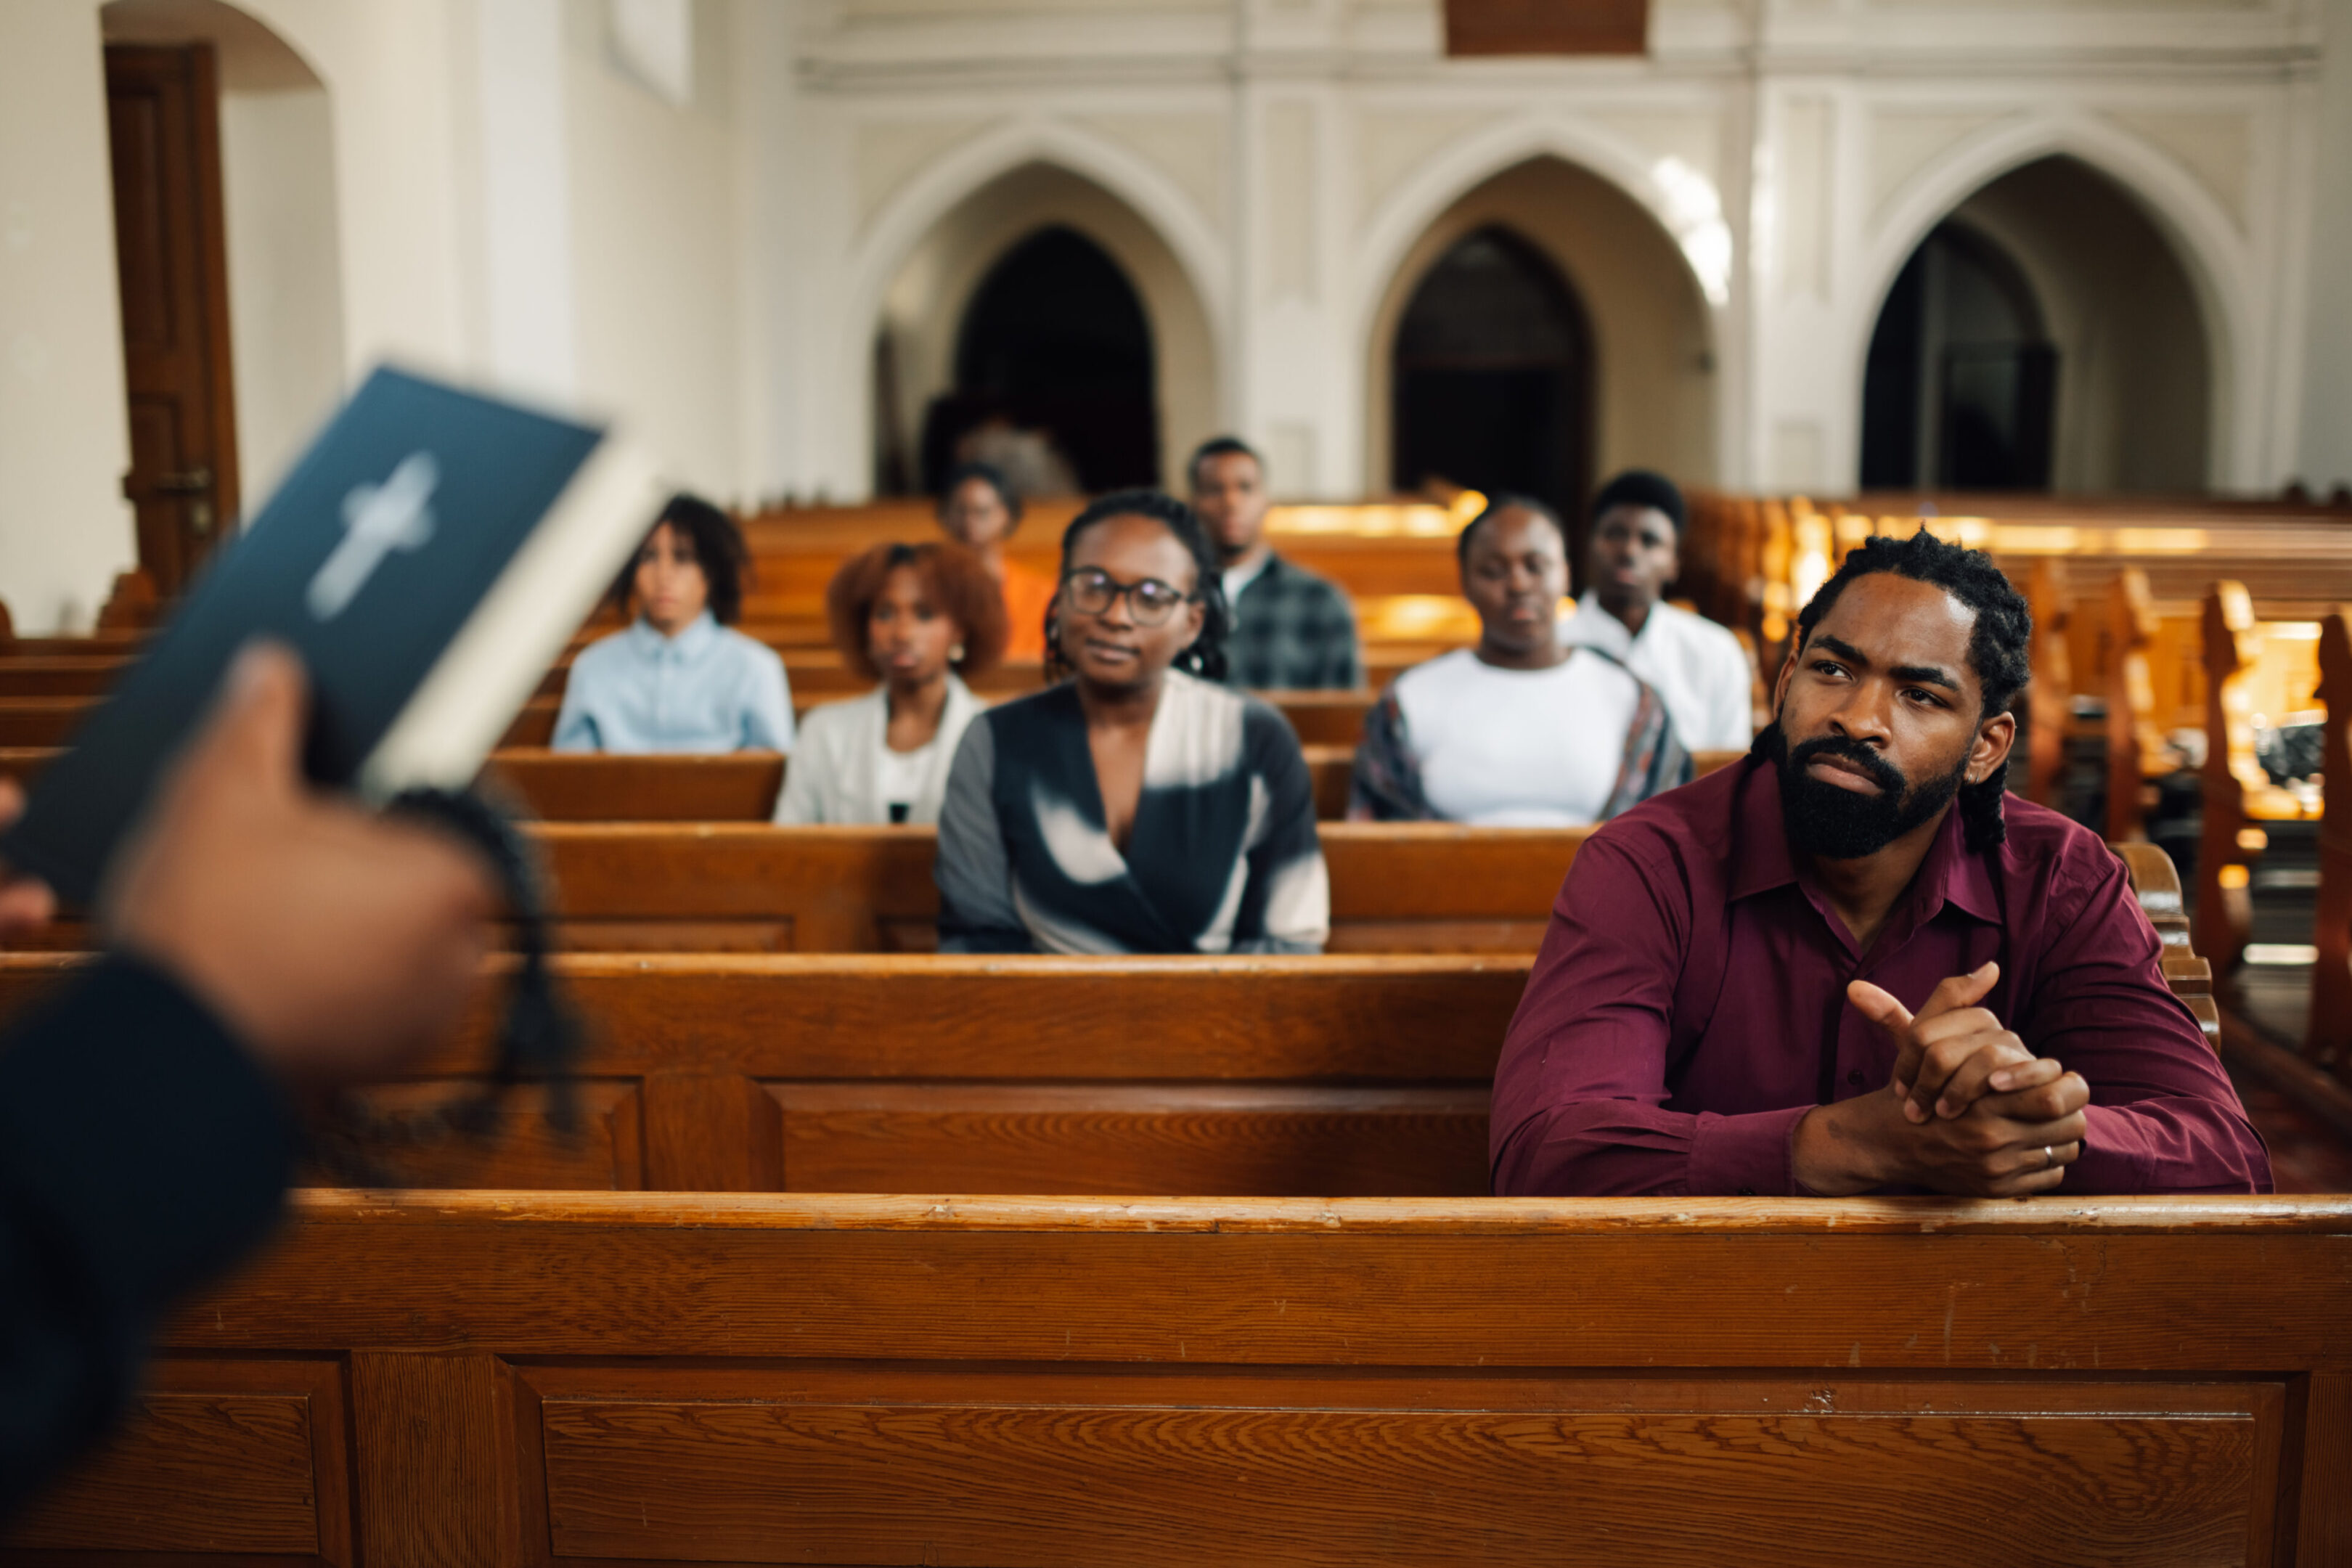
column 173, row 263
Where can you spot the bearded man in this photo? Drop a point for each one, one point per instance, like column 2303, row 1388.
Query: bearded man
column 1850, row 964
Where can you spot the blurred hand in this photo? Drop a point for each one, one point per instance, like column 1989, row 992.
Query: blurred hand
column 25, row 902
column 334, row 942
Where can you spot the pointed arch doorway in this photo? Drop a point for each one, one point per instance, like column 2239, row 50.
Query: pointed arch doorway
column 1492, row 374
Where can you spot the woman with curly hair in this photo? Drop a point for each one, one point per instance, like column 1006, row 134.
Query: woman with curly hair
column 917, row 618
column 681, row 678
column 1137, row 805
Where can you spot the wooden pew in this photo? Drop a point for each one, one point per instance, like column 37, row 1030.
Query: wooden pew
column 2136, row 746
column 1322, row 718
column 1263, row 1075
column 2049, row 708
column 2237, row 792
column 1266, row 1076
column 1395, row 887
column 499, row 1378
column 2329, row 1043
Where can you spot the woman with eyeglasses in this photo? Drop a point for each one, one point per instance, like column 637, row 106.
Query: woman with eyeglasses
column 1137, row 806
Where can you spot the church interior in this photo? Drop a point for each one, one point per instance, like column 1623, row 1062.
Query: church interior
column 840, row 1247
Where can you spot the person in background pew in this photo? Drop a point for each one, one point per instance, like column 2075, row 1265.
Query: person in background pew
column 681, row 678
column 1293, row 631
column 262, row 944
column 916, row 617
column 979, row 508
column 1849, row 964
column 1522, row 731
column 1138, row 806
column 1697, row 668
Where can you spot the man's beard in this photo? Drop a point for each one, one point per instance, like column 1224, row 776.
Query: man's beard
column 1838, row 823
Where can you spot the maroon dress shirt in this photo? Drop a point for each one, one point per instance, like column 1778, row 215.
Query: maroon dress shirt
column 1688, row 1006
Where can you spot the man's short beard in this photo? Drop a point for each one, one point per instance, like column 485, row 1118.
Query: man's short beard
column 1838, row 823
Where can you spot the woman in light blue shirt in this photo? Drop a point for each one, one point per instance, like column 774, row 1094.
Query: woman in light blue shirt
column 679, row 680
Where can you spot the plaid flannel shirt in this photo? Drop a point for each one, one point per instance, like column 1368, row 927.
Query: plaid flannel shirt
column 1292, row 631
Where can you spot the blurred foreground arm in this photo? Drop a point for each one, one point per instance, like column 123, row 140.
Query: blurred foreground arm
column 262, row 940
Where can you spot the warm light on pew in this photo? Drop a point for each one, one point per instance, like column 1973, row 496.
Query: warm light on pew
column 2281, row 955
column 1405, row 520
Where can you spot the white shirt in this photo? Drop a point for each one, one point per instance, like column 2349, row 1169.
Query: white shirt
column 1517, row 748
column 844, row 770
column 900, row 777
column 1697, row 668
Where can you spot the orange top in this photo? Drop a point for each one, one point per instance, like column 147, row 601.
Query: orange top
column 1026, row 594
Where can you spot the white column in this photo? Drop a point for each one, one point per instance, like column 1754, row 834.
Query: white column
column 64, row 530
column 526, row 198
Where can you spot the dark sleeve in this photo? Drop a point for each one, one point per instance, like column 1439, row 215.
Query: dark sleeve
column 974, row 870
column 141, row 1151
column 1580, row 1092
column 1286, row 897
column 2163, row 1115
column 1385, row 784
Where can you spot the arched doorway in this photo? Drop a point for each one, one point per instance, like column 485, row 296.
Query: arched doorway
column 2045, row 336
column 951, row 320
column 1055, row 346
column 1492, row 374
column 1962, row 384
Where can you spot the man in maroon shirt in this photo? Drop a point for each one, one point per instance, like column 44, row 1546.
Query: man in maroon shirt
column 1848, row 965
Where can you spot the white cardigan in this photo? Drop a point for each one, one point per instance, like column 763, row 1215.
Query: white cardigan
column 834, row 775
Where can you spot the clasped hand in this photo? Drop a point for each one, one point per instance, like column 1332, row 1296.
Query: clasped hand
column 1967, row 1109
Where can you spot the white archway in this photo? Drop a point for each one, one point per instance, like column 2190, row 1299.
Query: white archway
column 1140, row 216
column 1655, row 394
column 1680, row 428
column 2203, row 237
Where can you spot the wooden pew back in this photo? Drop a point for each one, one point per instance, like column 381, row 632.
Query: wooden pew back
column 509, row 1379
column 1268, row 1076
column 1395, row 887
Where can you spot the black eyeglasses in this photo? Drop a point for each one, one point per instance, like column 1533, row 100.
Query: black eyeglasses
column 1150, row 601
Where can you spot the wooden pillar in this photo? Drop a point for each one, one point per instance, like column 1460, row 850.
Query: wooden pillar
column 2133, row 740
column 437, row 1460
column 2050, row 701
column 2328, row 1041
column 2225, row 852
column 712, row 1132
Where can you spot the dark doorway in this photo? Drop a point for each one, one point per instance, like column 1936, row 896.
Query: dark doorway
column 1960, row 388
column 1055, row 340
column 1494, row 375
column 172, row 262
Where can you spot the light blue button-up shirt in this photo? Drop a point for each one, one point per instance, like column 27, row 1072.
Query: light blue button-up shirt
column 706, row 690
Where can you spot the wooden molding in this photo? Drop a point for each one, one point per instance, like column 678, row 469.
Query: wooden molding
column 1547, row 26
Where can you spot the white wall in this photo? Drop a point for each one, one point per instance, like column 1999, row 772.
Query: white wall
column 285, row 275
column 64, row 530
column 653, row 247
column 2323, row 459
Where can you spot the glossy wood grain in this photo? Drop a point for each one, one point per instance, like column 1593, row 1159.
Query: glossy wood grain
column 646, row 1378
column 231, row 1460
column 1395, row 887
column 1085, row 1466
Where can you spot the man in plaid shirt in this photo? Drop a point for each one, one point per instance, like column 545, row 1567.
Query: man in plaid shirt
column 1292, row 630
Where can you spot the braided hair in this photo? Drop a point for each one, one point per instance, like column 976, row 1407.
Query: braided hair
column 1207, row 655
column 1999, row 645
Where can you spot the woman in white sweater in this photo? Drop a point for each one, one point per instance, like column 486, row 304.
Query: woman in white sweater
column 917, row 617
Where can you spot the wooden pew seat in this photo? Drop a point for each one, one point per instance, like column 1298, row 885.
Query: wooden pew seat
column 501, row 1378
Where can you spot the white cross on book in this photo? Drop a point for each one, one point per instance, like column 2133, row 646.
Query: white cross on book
column 377, row 520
